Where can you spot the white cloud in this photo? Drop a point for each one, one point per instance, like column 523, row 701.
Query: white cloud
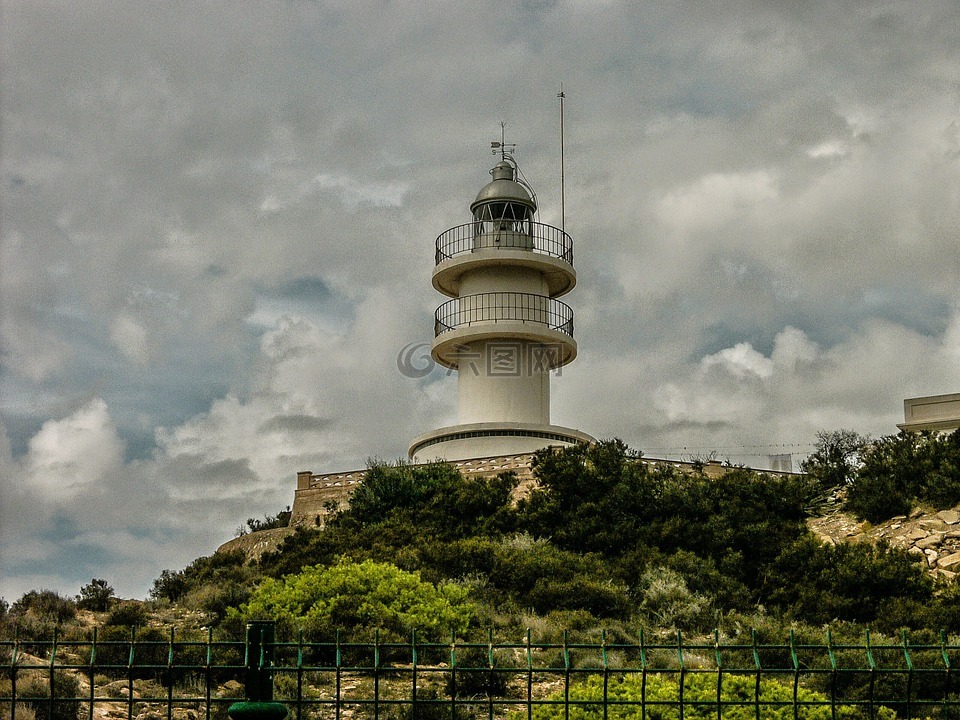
column 717, row 199
column 792, row 348
column 741, row 361
column 74, row 454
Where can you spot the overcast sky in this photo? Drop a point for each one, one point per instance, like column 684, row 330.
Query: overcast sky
column 219, row 220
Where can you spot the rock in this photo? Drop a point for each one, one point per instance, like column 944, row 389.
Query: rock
column 931, row 557
column 150, row 715
column 916, row 534
column 932, row 541
column 950, row 517
column 916, row 512
column 231, row 688
column 184, row 714
column 946, row 574
column 950, row 561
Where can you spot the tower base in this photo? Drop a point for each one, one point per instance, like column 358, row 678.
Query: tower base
column 475, row 440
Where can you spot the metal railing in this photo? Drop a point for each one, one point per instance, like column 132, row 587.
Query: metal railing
column 504, row 307
column 536, row 237
column 521, row 680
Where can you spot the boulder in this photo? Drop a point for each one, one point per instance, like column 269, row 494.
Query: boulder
column 931, row 541
column 950, row 562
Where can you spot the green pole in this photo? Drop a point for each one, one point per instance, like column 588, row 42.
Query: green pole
column 258, row 677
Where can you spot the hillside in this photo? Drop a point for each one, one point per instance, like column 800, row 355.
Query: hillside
column 931, row 535
column 601, row 542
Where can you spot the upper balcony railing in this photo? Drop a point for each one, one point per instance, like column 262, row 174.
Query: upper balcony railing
column 482, row 235
column 504, row 307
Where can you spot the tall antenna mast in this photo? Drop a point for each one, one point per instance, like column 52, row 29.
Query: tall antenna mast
column 563, row 210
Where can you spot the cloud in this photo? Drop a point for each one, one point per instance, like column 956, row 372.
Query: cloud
column 74, row 454
column 741, row 361
column 130, row 338
column 717, row 199
column 352, row 194
column 219, row 232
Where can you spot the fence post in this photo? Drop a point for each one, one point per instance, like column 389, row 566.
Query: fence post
column 258, row 677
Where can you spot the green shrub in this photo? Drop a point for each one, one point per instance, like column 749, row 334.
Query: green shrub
column 150, row 651
column 835, row 458
column 34, row 691
column 46, row 605
column 901, row 469
column 848, row 582
column 38, row 612
column 128, row 614
column 669, row 603
column 433, row 499
column 269, row 522
column 600, row 499
column 170, row 586
column 662, row 694
column 353, row 596
column 216, row 599
column 95, row 595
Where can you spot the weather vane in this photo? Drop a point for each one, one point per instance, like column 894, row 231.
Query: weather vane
column 505, row 149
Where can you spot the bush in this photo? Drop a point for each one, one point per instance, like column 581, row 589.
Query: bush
column 849, row 582
column 128, row 614
column 46, row 605
column 358, row 596
column 35, row 691
column 170, row 586
column 836, row 457
column 434, row 499
column 95, row 595
column 217, row 599
column 599, row 499
column 269, row 522
column 662, row 695
column 474, row 678
column 219, row 568
column 901, row 469
column 150, row 651
column 38, row 612
column 668, row 602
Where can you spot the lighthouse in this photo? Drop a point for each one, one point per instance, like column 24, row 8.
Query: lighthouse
column 504, row 328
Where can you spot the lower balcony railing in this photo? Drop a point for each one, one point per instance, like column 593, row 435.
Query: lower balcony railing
column 504, row 307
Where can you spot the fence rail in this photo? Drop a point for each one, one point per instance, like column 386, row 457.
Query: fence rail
column 183, row 675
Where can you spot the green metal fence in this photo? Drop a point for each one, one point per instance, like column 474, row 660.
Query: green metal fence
column 182, row 676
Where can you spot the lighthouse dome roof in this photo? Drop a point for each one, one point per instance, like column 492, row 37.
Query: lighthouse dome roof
column 503, row 187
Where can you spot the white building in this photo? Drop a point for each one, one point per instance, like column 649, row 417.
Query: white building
column 503, row 329
column 934, row 412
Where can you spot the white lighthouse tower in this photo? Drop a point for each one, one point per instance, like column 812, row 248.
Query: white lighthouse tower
column 504, row 329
